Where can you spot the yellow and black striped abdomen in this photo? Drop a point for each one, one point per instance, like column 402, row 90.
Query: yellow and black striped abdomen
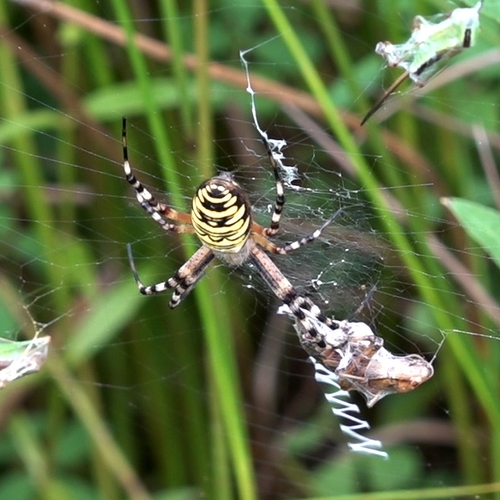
column 221, row 215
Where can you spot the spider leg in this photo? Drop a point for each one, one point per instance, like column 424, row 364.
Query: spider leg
column 182, row 282
column 290, row 247
column 158, row 211
column 157, row 216
column 279, row 203
column 284, row 290
column 189, row 274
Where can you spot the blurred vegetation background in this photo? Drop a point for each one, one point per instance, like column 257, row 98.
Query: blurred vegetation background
column 216, row 399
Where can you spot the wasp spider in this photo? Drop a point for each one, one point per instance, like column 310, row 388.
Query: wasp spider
column 221, row 217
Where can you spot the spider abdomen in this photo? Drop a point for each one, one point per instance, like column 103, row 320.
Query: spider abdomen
column 221, row 215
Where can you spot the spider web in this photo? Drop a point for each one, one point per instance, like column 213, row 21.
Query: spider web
column 67, row 214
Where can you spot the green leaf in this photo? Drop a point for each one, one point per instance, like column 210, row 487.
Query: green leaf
column 481, row 223
column 100, row 327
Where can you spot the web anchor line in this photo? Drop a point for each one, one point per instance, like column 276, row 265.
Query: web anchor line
column 344, row 409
